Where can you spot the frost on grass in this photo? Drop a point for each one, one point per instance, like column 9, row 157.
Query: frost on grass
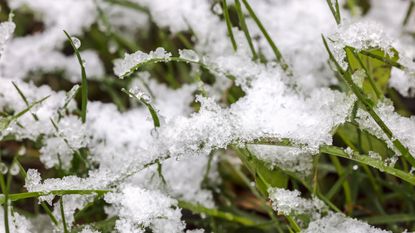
column 139, row 208
column 361, row 35
column 290, row 203
column 131, row 61
column 322, row 220
column 339, row 223
column 401, row 127
column 44, row 47
column 17, row 222
column 122, row 150
column 6, row 32
column 285, row 157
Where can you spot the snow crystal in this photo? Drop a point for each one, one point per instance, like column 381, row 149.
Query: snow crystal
column 400, row 126
column 290, row 203
column 17, row 222
column 360, row 35
column 88, row 229
column 286, row 158
column 339, row 223
column 124, row 66
column 71, row 203
column 58, row 150
column 322, row 220
column 44, row 47
column 6, row 31
column 139, row 208
column 33, row 183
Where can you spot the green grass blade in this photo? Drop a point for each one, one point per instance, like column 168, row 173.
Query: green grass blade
column 84, row 84
column 244, row 28
column 5, row 203
column 372, row 82
column 229, row 24
column 5, row 122
column 153, row 112
column 20, row 196
column 408, row 13
column 196, row 208
column 365, row 159
column 274, row 47
column 65, row 227
column 368, row 105
column 392, row 218
column 335, row 10
column 340, row 182
column 381, row 58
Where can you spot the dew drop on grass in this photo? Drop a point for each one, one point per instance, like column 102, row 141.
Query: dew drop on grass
column 355, row 167
column 217, row 9
column 76, row 42
column 189, row 55
column 14, row 169
column 138, row 93
column 112, row 47
column 3, row 168
column 154, row 133
column 146, row 98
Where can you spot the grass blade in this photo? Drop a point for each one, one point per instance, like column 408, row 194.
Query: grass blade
column 65, row 227
column 274, row 47
column 153, row 112
column 196, row 208
column 244, row 28
column 368, row 106
column 229, row 24
column 335, row 10
column 365, row 159
column 408, row 13
column 84, row 84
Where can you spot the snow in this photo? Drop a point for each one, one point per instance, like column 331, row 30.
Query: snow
column 123, row 148
column 339, row 223
column 139, row 208
column 290, row 203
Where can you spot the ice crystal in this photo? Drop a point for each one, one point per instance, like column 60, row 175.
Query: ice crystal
column 76, row 42
column 130, row 61
column 339, row 223
column 139, row 208
column 6, row 31
column 189, row 55
column 290, row 203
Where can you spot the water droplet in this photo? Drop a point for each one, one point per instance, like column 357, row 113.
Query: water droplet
column 3, row 168
column 146, row 98
column 83, row 63
column 22, row 151
column 189, row 55
column 112, row 47
column 154, row 133
column 76, row 42
column 217, row 9
column 140, row 94
column 14, row 169
column 355, row 167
